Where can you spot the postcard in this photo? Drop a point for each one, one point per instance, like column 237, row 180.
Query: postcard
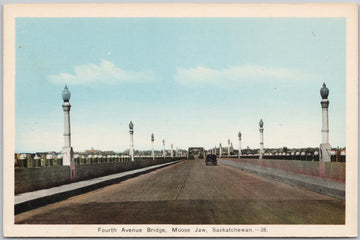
column 180, row 120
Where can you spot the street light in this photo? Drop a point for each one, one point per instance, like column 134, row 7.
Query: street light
column 152, row 145
column 228, row 147
column 164, row 148
column 239, row 135
column 261, row 130
column 131, row 131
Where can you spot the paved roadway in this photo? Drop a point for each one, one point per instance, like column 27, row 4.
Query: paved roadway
column 191, row 193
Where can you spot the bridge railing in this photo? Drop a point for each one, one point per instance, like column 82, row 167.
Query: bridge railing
column 31, row 179
column 299, row 157
column 47, row 160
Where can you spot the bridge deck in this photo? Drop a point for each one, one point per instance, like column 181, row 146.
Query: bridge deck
column 38, row 198
column 189, row 192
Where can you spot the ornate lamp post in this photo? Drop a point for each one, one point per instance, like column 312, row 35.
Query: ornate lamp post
column 220, row 150
column 152, row 145
column 325, row 148
column 131, row 131
column 261, row 130
column 67, row 149
column 68, row 158
column 239, row 135
column 164, row 148
column 228, row 147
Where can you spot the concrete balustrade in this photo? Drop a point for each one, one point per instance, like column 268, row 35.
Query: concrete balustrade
column 37, row 161
column 301, row 156
column 330, row 170
column 31, row 179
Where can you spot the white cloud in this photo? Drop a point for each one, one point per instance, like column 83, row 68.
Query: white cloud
column 234, row 75
column 106, row 73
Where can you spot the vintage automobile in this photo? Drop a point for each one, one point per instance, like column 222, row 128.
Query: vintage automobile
column 210, row 160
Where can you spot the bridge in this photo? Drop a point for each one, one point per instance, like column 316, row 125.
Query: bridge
column 237, row 191
column 257, row 186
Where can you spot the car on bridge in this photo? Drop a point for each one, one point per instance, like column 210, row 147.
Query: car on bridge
column 210, row 160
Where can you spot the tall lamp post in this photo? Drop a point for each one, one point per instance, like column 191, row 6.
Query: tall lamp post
column 261, row 130
column 172, row 153
column 68, row 158
column 164, row 148
column 220, row 150
column 239, row 135
column 152, row 145
column 325, row 147
column 131, row 131
column 228, row 147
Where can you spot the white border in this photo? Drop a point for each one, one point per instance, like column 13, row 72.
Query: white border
column 348, row 11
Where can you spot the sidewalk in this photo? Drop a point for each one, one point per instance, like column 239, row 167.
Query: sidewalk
column 30, row 200
column 317, row 184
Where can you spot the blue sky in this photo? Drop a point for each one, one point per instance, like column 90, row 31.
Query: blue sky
column 190, row 81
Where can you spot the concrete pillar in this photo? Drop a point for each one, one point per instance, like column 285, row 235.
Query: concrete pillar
column 325, row 121
column 59, row 160
column 239, row 135
column 37, row 160
column 49, row 161
column 171, row 153
column 325, row 147
column 67, row 133
column 131, row 131
column 22, row 161
column 152, row 145
column 261, row 130
column 82, row 160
